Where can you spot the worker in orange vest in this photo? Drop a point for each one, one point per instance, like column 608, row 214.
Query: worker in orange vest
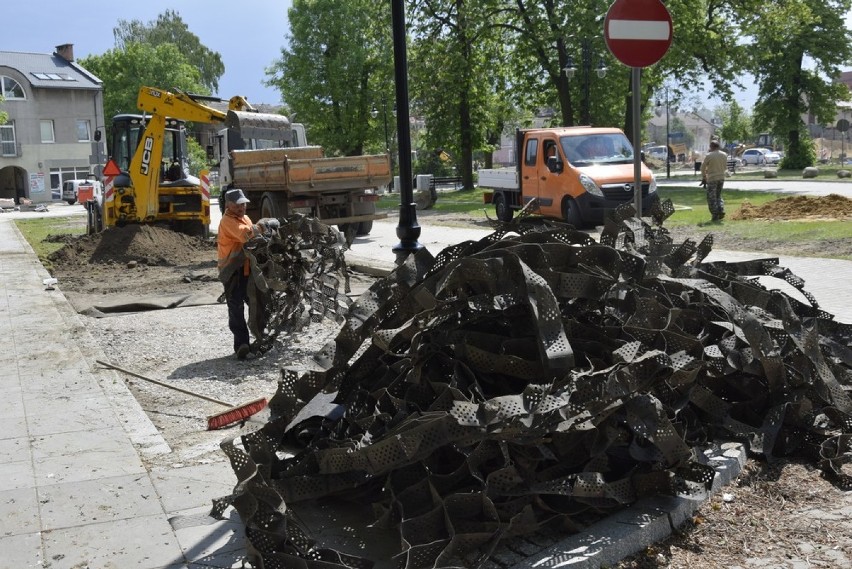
column 235, row 230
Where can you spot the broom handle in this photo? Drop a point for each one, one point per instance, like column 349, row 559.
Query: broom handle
column 161, row 384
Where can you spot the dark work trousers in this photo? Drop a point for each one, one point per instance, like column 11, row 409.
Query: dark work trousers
column 715, row 203
column 236, row 293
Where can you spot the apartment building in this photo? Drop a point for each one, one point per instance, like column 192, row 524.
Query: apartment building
column 55, row 109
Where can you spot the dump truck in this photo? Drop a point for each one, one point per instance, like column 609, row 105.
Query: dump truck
column 576, row 174
column 340, row 191
column 146, row 179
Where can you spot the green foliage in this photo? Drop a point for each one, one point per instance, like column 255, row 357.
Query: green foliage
column 800, row 46
column 197, row 156
column 124, row 71
column 431, row 163
column 458, row 81
column 169, row 28
column 801, row 155
column 479, row 68
column 4, row 116
column 335, row 69
column 736, row 124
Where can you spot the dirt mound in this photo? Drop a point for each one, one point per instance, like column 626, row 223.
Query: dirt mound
column 832, row 206
column 146, row 244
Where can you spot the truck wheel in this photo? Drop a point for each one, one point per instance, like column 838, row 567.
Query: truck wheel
column 571, row 213
column 71, row 202
column 504, row 212
column 94, row 221
column 272, row 205
column 365, row 227
column 349, row 231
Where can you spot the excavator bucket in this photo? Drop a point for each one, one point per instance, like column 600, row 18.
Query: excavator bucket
column 260, row 126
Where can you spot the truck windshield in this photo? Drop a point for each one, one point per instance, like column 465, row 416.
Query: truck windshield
column 587, row 149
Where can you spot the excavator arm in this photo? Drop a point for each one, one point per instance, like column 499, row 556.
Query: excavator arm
column 159, row 107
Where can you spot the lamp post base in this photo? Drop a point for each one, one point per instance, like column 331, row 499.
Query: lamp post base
column 408, row 232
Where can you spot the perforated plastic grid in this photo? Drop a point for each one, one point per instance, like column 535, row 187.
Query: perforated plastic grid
column 296, row 278
column 552, row 378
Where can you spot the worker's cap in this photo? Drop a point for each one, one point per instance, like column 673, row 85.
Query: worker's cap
column 236, row 196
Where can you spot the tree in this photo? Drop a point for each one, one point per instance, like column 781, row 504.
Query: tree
column 800, row 46
column 125, row 70
column 335, row 70
column 196, row 156
column 4, row 116
column 169, row 28
column 548, row 33
column 736, row 124
column 458, row 81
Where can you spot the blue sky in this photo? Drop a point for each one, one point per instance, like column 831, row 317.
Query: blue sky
column 248, row 35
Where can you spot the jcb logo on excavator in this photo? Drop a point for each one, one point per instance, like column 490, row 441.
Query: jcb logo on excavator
column 146, row 155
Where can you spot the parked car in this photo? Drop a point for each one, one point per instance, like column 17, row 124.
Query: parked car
column 71, row 190
column 773, row 157
column 755, row 156
column 657, row 153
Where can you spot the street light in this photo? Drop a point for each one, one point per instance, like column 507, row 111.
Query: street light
column 668, row 135
column 375, row 113
column 570, row 69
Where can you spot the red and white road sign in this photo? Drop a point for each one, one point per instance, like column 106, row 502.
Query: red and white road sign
column 638, row 32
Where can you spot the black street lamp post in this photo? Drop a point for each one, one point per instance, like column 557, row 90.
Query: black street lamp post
column 570, row 69
column 408, row 230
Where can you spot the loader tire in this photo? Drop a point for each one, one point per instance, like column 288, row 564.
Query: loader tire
column 365, row 227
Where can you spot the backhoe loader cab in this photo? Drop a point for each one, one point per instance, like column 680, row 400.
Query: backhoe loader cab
column 154, row 185
column 127, row 131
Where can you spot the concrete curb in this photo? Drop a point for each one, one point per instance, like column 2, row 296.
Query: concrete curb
column 635, row 528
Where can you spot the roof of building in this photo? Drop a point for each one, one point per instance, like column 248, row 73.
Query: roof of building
column 49, row 71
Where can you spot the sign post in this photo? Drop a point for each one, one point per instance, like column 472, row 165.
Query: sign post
column 638, row 33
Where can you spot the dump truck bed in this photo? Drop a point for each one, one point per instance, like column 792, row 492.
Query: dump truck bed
column 304, row 170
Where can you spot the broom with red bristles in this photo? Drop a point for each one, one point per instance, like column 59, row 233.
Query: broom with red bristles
column 234, row 413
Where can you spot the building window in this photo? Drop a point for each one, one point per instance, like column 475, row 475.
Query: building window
column 47, row 131
column 84, row 131
column 59, row 176
column 11, row 89
column 7, row 140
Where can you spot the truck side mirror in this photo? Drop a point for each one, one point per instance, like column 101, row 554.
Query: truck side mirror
column 554, row 164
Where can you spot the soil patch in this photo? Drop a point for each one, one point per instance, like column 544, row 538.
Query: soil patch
column 832, row 206
column 134, row 261
column 140, row 243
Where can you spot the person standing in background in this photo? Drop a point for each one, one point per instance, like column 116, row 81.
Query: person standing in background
column 714, row 169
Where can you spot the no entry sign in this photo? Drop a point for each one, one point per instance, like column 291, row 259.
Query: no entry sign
column 638, row 32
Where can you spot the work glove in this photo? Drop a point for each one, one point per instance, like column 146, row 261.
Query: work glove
column 703, row 183
column 269, row 224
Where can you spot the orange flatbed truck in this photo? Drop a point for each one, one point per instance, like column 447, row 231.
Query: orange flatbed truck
column 577, row 174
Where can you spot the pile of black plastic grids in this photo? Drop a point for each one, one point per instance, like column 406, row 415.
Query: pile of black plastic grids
column 535, row 379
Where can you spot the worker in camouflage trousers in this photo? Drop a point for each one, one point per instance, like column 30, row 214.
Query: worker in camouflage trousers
column 714, row 168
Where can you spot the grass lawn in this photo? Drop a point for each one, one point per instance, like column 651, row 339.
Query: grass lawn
column 691, row 205
column 36, row 231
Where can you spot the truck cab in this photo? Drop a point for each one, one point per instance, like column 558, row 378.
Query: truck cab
column 577, row 174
